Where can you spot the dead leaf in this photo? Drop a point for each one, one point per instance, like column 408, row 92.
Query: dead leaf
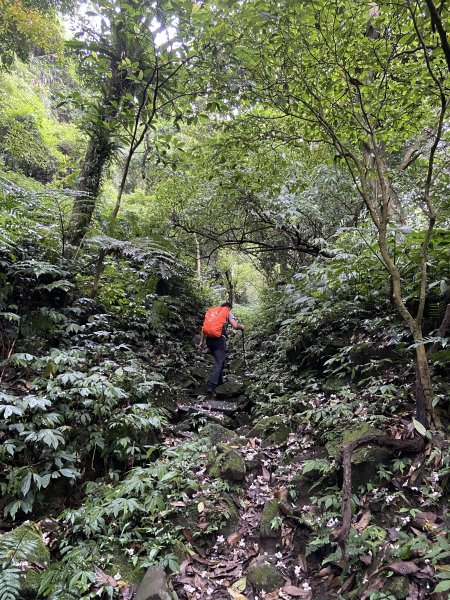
column 188, row 535
column 236, row 595
column 265, row 473
column 302, row 563
column 234, row 538
column 294, row 591
column 178, row 503
column 200, row 507
column 103, row 577
column 364, row 521
column 126, row 593
column 347, row 583
column 403, row 567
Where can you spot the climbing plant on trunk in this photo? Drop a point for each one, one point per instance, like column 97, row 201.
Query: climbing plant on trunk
column 136, row 66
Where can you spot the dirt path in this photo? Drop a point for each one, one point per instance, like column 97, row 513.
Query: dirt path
column 260, row 558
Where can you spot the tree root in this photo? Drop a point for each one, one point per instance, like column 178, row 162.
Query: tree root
column 341, row 535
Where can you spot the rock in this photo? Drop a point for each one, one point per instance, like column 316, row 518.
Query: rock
column 397, row 586
column 216, row 433
column 237, row 364
column 226, row 463
column 270, row 535
column 154, row 586
column 262, row 574
column 29, row 549
column 121, row 563
column 228, row 508
column 274, row 388
column 221, row 514
column 231, row 388
column 200, row 371
column 220, row 406
column 366, row 460
column 272, row 430
column 233, row 466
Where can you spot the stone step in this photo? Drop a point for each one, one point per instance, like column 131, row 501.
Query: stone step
column 221, row 406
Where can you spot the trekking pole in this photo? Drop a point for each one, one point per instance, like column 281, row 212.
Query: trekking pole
column 243, row 349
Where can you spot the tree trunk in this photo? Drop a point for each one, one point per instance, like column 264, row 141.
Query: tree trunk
column 230, row 287
column 424, row 389
column 198, row 257
column 97, row 155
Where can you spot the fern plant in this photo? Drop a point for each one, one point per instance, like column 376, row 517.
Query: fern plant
column 20, row 549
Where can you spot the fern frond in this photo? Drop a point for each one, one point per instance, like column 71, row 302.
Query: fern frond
column 437, row 309
column 153, row 254
column 10, row 583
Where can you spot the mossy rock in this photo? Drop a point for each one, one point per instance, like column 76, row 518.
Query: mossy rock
column 119, row 562
column 398, row 586
column 237, row 364
column 229, row 507
column 270, row 512
column 30, row 550
column 216, row 433
column 223, row 515
column 333, row 386
column 272, row 430
column 226, row 463
column 365, row 460
column 270, row 536
column 200, row 371
column 273, row 388
column 346, row 436
column 230, row 389
column 262, row 574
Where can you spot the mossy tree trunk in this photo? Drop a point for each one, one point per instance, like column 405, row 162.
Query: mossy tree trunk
column 98, row 154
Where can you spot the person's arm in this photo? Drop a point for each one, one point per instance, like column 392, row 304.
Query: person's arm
column 236, row 325
column 202, row 341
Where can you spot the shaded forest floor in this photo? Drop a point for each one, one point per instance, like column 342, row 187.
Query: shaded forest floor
column 282, row 489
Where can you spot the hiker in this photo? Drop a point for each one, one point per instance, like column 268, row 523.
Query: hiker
column 213, row 335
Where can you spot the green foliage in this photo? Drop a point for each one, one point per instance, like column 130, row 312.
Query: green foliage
column 34, row 141
column 89, row 382
column 144, row 513
column 17, row 550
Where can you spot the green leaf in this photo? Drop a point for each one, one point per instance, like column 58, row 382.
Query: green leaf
column 26, row 483
column 443, row 586
column 419, row 427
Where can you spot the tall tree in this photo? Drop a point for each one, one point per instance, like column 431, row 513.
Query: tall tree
column 28, row 26
column 137, row 62
column 339, row 73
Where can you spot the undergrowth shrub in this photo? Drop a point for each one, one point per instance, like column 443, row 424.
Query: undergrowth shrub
column 156, row 514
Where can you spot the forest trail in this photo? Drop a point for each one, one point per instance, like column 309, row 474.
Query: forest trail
column 260, row 552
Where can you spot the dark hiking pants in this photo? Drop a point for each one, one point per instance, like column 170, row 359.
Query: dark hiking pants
column 218, row 349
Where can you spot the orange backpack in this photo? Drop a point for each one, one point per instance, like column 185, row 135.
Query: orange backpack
column 215, row 319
